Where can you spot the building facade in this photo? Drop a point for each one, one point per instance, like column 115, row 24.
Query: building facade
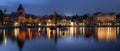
column 105, row 19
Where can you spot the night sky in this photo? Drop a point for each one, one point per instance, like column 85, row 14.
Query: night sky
column 67, row 7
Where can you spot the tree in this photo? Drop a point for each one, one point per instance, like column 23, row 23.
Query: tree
column 86, row 15
column 1, row 15
column 118, row 17
column 88, row 19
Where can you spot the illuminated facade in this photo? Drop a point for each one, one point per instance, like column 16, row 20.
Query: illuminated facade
column 65, row 21
column 105, row 18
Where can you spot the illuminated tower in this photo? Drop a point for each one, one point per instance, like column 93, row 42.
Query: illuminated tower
column 20, row 10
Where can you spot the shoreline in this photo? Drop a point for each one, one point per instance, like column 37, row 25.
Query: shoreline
column 2, row 27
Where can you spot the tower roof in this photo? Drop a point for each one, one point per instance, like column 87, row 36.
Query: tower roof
column 20, row 7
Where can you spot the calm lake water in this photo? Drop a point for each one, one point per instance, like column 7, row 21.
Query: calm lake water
column 74, row 39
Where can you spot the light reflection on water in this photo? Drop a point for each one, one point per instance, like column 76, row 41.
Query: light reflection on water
column 107, row 34
column 23, row 37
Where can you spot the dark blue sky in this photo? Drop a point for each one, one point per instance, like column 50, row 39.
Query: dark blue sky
column 67, row 7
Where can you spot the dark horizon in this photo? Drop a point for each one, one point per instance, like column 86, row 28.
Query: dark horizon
column 67, row 7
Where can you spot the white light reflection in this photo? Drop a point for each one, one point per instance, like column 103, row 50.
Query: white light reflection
column 4, row 37
column 39, row 31
column 75, row 32
column 118, row 29
column 83, row 29
column 48, row 33
column 71, row 31
column 16, row 32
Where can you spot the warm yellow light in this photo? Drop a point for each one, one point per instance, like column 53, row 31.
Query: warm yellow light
column 72, row 23
column 4, row 37
column 106, row 33
column 71, row 30
column 16, row 24
column 49, row 20
column 5, row 40
column 39, row 24
column 48, row 33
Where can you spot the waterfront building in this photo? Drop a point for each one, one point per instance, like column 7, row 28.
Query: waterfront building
column 5, row 18
column 20, row 17
column 105, row 18
column 88, row 20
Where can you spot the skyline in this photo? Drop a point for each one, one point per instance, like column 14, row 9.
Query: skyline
column 67, row 7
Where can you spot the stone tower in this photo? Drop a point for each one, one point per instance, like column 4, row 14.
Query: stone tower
column 20, row 10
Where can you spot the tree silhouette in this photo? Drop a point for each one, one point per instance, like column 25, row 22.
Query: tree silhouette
column 1, row 15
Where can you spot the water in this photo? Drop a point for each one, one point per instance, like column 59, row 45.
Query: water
column 74, row 39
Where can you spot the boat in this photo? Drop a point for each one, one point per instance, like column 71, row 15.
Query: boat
column 53, row 28
column 63, row 28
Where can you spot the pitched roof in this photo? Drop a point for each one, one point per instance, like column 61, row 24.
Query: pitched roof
column 20, row 7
